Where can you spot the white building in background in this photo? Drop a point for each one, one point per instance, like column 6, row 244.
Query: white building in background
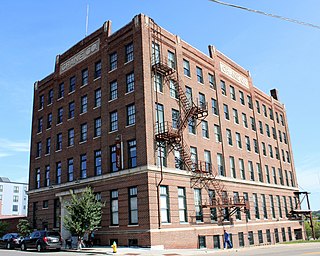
column 13, row 198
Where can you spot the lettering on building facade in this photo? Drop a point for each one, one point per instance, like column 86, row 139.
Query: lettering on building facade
column 234, row 75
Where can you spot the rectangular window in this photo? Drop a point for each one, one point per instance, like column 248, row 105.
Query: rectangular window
column 40, row 124
column 264, row 206
column 113, row 58
column 84, row 104
column 70, row 137
column 232, row 93
column 246, row 199
column 171, row 60
column 285, row 206
column 276, row 234
column 267, row 174
column 249, row 101
column 260, row 127
column 205, row 129
column 49, row 120
column 267, row 130
column 45, row 204
column 132, row 153
column 280, row 176
column 248, row 146
column 83, row 166
column 220, row 163
column 223, row 87
column 217, row 133
column 244, row 120
column 202, row 101
column 41, row 101
column 133, row 205
column 114, row 207
column 235, row 116
column 260, row 236
column 59, row 141
column 192, row 125
column 70, row 169
column 270, row 151
column 97, row 98
column 58, row 173
column 241, row 239
column 155, row 53
column 113, row 121
column 161, row 154
column 258, row 106
column 256, row 147
column 271, row 113
column 226, row 111
column 182, row 204
column 84, row 132
column 175, row 115
column 229, row 137
column 84, row 77
column 232, row 167
column 97, row 163
column 15, row 199
column 199, row 75
column 214, row 108
column 241, row 96
column 264, row 149
column 47, row 176
column 264, row 109
column 71, row 110
column 242, row 169
column 236, row 200
column 213, row 211
column 130, row 82
column 283, row 232
column 251, row 238
column 212, row 81
column 189, row 95
column 164, row 204
column 60, row 115
column 274, row 175
column 158, row 82
column 97, row 69
column 131, row 114
column 268, row 233
column 259, row 171
column 279, row 206
column 238, row 140
column 207, row 161
column 129, row 52
column 194, row 157
column 253, row 123
column 61, row 91
column 198, row 205
column 186, row 68
column 251, row 170
column 173, row 90
column 48, row 146
column 113, row 159
column 97, row 127
column 113, row 90
column 72, row 84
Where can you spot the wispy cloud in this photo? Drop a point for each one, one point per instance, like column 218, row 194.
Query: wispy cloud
column 7, row 146
column 3, row 154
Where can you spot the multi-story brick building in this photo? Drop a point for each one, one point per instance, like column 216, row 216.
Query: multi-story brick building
column 179, row 144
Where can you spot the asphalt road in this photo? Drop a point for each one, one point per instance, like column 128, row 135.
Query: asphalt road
column 308, row 249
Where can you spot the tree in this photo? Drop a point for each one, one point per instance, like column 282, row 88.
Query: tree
column 24, row 227
column 3, row 227
column 316, row 226
column 84, row 213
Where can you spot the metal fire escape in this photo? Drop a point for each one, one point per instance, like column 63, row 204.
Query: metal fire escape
column 203, row 175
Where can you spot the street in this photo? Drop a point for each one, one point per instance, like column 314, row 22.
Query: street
column 279, row 249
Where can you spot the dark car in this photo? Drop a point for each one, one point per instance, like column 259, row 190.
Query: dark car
column 42, row 240
column 10, row 241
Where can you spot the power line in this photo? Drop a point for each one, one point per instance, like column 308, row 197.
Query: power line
column 267, row 14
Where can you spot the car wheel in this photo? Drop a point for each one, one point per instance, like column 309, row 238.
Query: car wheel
column 39, row 248
column 23, row 247
column 8, row 246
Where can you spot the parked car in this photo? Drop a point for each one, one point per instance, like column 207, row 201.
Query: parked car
column 42, row 240
column 10, row 241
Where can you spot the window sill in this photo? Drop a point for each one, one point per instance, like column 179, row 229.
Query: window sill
column 130, row 125
column 83, row 85
column 112, row 131
column 97, row 78
column 127, row 93
column 82, row 142
column 133, row 225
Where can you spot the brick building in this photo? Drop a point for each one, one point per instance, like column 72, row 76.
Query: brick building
column 179, row 144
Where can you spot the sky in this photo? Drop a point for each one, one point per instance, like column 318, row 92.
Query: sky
column 278, row 54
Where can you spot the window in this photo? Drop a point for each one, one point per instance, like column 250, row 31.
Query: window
column 258, row 106
column 251, row 170
column 205, row 130
column 39, row 149
column 256, row 147
column 260, row 236
column 241, row 96
column 199, row 75
column 60, row 115
column 274, row 175
column 97, row 98
column 249, row 101
column 50, row 96
column 164, row 204
column 251, row 238
column 213, row 211
column 291, row 179
column 84, row 104
column 264, row 150
column 285, row 206
column 270, row 151
column 38, row 178
column 279, row 206
column 97, row 127
column 175, row 118
column 238, row 140
column 264, row 109
column 280, row 137
column 202, row 101
column 114, row 207
column 235, row 116
column 15, row 189
column 48, row 146
column 237, row 200
column 40, row 124
column 223, row 87
column 41, row 101
column 192, row 125
column 84, row 77
column 58, row 173
column 72, row 84
column 226, row 111
column 189, row 95
column 217, row 133
column 246, row 198
column 259, row 171
column 268, row 233
column 248, row 146
column 113, row 121
column 260, row 127
column 173, row 89
column 132, row 153
column 14, row 208
column 97, row 163
column 232, row 167
column 130, row 82
column 15, row 199
column 244, row 120
column 220, row 163
column 45, row 204
column 198, row 205
column 186, row 68
column 83, row 166
column 207, row 160
column 177, row 160
column 49, row 121
column 277, row 153
column 47, row 176
column 97, row 69
column 159, row 113
column 70, row 169
column 133, row 205
column 182, row 204
column 280, row 176
column 194, row 157
column 264, row 206
column 212, row 81
column 214, row 108
column 281, row 120
column 232, row 93
column 84, row 132
column 161, row 154
column 61, row 91
column 271, row 113
column 70, row 137
column 158, row 86
column 229, row 136
column 113, row 90
column 276, row 234
column 113, row 57
column 71, row 110
column 171, row 60
column 113, row 159
column 285, row 138
column 253, row 123
column 274, row 133
column 129, row 52
column 131, row 114
column 155, row 53
column 241, row 239
column 256, row 205
column 241, row 169
column 267, row 174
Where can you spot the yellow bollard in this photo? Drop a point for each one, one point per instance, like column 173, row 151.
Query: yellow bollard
column 114, row 247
